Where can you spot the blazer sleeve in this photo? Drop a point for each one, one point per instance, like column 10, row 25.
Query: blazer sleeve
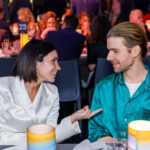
column 54, row 113
column 66, row 129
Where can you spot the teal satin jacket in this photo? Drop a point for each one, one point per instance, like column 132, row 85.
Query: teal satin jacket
column 119, row 108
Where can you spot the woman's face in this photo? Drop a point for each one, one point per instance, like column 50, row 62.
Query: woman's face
column 85, row 21
column 51, row 23
column 21, row 17
column 31, row 32
column 47, row 69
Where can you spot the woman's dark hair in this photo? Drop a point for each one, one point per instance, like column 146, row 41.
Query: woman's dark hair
column 100, row 27
column 25, row 66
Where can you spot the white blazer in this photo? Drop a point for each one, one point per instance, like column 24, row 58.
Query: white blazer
column 17, row 112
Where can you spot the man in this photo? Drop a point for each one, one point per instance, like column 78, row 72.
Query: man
column 125, row 95
column 68, row 42
column 136, row 16
column 94, row 7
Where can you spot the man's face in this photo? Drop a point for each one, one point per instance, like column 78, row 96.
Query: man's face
column 136, row 17
column 119, row 55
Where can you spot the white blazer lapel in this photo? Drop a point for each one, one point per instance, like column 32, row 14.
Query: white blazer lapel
column 22, row 97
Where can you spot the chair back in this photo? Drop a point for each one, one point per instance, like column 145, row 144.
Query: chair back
column 147, row 61
column 68, row 82
column 6, row 65
column 103, row 69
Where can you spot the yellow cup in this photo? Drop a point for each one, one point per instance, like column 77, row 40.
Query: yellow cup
column 139, row 135
column 41, row 137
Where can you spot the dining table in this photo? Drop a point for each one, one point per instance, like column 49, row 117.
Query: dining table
column 58, row 146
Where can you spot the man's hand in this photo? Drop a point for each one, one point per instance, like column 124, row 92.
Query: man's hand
column 108, row 139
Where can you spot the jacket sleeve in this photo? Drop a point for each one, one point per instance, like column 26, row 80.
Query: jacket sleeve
column 66, row 129
column 96, row 124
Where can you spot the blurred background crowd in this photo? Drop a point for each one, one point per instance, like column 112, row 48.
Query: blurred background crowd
column 95, row 18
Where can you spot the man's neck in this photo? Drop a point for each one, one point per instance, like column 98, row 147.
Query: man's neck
column 136, row 74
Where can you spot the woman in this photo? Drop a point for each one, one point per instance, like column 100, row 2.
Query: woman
column 85, row 21
column 97, row 45
column 28, row 98
column 33, row 31
column 48, row 23
column 25, row 15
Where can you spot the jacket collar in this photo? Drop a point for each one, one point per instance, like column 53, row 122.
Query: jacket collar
column 67, row 29
column 145, row 85
column 22, row 97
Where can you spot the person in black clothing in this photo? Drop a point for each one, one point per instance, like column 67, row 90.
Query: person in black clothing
column 68, row 42
column 15, row 6
column 97, row 45
column 125, row 6
column 57, row 6
column 4, row 25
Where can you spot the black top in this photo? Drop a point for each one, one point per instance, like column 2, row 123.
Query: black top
column 68, row 43
column 4, row 25
column 58, row 6
column 96, row 51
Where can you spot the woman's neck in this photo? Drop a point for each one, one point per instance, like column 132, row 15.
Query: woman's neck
column 32, row 89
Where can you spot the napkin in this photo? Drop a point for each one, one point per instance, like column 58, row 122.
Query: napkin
column 86, row 145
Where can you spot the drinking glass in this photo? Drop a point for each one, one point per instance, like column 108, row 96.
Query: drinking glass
column 123, row 138
column 5, row 45
column 115, row 146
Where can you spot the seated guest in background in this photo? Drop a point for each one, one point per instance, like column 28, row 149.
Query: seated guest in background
column 15, row 6
column 146, row 20
column 136, row 16
column 4, row 25
column 94, row 7
column 68, row 42
column 97, row 45
column 28, row 97
column 33, row 31
column 125, row 95
column 25, row 15
column 121, row 10
column 48, row 23
column 85, row 21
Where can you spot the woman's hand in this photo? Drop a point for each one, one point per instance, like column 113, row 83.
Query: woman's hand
column 44, row 33
column 83, row 113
